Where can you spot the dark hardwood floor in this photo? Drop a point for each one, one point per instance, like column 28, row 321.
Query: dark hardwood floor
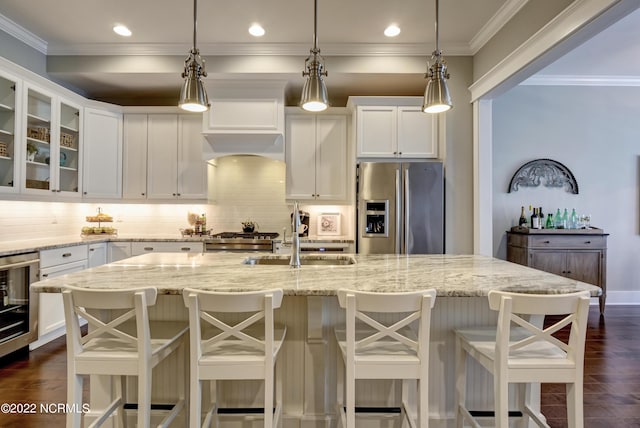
column 611, row 379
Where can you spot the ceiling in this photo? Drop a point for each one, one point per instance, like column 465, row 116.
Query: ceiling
column 145, row 68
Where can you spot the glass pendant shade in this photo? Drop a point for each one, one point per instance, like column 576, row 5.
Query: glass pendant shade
column 436, row 96
column 193, row 96
column 314, row 93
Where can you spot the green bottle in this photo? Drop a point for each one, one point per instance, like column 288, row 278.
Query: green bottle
column 549, row 224
column 558, row 219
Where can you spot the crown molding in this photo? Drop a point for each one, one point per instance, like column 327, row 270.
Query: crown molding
column 575, row 80
column 297, row 49
column 497, row 21
column 22, row 34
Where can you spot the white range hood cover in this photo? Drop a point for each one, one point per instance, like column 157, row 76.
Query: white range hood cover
column 246, row 117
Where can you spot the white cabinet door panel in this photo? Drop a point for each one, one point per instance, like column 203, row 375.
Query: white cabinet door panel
column 162, row 150
column 135, row 157
column 416, row 133
column 300, row 157
column 377, row 131
column 331, row 157
column 192, row 168
column 102, row 154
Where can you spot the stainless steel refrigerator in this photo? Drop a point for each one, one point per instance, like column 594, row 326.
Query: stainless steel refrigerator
column 400, row 208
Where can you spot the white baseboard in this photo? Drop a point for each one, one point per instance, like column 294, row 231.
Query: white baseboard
column 622, row 298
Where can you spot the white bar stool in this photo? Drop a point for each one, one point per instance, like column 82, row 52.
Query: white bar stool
column 248, row 349
column 525, row 353
column 373, row 349
column 127, row 344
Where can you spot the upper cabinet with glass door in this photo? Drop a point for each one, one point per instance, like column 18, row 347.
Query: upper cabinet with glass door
column 69, row 148
column 52, row 150
column 9, row 156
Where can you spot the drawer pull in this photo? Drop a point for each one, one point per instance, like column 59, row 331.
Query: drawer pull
column 186, row 248
column 44, row 275
column 148, row 248
column 66, row 255
column 587, row 242
column 546, row 242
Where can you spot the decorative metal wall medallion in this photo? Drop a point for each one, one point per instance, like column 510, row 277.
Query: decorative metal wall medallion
column 546, row 171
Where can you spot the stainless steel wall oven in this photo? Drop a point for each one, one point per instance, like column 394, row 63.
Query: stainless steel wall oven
column 18, row 305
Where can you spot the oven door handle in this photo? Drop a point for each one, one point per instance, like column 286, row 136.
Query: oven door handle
column 19, row 264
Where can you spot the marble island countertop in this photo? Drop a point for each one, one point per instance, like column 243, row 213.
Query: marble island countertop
column 19, row 247
column 450, row 275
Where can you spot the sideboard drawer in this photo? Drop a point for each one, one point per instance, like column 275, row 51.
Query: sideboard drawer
column 568, row 242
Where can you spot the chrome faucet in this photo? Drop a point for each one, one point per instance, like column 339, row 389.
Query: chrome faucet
column 295, row 238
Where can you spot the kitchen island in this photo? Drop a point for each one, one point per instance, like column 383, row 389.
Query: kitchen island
column 310, row 310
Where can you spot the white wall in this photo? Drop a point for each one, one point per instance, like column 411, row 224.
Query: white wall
column 247, row 187
column 594, row 132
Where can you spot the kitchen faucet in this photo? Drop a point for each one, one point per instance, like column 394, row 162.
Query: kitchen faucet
column 295, row 238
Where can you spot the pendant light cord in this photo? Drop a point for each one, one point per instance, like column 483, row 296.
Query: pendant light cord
column 315, row 25
column 195, row 22
column 437, row 52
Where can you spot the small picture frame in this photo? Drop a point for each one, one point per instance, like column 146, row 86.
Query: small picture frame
column 329, row 224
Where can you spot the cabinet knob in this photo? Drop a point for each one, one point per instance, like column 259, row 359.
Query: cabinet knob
column 399, row 153
column 84, row 193
column 142, row 193
column 178, row 194
column 173, row 194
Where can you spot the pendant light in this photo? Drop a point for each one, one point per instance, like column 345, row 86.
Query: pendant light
column 193, row 96
column 436, row 96
column 314, row 93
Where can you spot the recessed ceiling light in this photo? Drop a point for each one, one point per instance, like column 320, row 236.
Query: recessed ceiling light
column 256, row 30
column 392, row 30
column 121, row 30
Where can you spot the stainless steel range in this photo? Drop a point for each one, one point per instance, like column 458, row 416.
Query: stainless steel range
column 240, row 241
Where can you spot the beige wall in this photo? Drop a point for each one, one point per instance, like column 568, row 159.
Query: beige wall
column 576, row 127
column 531, row 18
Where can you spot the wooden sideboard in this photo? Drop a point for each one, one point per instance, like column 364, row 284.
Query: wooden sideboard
column 579, row 254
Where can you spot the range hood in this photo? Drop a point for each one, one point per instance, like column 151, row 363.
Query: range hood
column 246, row 117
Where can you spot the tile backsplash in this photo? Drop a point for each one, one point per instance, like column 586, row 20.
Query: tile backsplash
column 241, row 188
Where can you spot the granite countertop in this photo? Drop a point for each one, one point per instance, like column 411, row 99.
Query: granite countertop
column 450, row 275
column 27, row 246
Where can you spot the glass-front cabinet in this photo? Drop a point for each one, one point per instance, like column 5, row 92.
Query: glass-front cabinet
column 9, row 159
column 52, row 149
column 69, row 148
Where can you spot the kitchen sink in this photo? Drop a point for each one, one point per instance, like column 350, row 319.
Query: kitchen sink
column 305, row 260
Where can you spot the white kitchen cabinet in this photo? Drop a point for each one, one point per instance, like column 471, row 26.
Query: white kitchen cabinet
column 118, row 251
column 192, row 168
column 52, row 144
column 389, row 127
column 134, row 157
column 144, row 247
column 53, row 263
column 102, row 175
column 10, row 90
column 97, row 254
column 163, row 157
column 316, row 157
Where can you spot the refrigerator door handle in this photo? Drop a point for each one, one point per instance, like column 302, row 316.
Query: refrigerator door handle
column 398, row 212
column 405, row 243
